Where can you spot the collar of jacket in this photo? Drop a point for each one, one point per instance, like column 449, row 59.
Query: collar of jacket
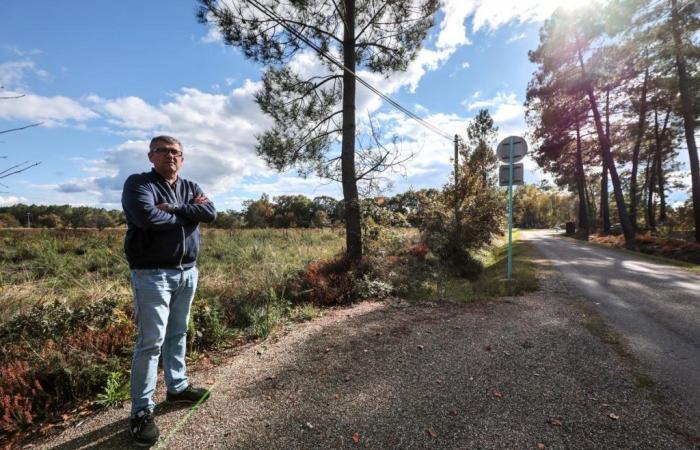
column 160, row 178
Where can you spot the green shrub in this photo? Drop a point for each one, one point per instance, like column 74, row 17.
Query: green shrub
column 303, row 312
column 115, row 392
column 206, row 328
column 365, row 288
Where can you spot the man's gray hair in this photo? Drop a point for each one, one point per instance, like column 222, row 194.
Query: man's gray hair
column 167, row 139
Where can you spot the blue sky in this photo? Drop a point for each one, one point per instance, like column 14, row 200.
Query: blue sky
column 104, row 77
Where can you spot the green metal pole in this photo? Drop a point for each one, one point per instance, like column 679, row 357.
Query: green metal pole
column 510, row 210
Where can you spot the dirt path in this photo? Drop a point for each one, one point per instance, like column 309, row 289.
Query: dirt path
column 512, row 373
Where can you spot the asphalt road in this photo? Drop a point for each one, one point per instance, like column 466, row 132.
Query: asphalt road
column 655, row 307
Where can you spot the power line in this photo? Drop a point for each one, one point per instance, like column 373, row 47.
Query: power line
column 270, row 14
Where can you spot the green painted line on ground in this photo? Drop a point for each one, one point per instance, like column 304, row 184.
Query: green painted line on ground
column 181, row 423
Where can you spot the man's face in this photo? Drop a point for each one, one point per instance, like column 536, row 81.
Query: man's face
column 167, row 158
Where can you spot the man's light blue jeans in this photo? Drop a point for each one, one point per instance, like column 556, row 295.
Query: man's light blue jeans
column 162, row 300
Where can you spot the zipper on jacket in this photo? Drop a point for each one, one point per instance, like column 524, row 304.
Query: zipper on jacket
column 182, row 227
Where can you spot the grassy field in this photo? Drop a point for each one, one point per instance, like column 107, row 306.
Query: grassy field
column 81, row 267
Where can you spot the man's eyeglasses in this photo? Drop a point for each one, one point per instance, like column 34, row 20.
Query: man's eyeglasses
column 167, row 151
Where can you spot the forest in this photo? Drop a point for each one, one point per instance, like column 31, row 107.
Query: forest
column 612, row 109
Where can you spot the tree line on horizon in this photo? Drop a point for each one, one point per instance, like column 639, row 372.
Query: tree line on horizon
column 534, row 207
column 614, row 100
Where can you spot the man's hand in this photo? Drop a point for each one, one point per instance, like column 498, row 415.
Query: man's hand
column 200, row 199
column 165, row 207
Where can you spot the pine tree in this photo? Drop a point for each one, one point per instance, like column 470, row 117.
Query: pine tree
column 310, row 111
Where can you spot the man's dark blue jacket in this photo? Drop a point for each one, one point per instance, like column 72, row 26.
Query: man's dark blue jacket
column 157, row 239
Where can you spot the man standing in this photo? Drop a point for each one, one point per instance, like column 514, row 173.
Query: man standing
column 163, row 212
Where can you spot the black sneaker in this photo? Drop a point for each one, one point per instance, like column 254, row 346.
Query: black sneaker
column 143, row 428
column 189, row 395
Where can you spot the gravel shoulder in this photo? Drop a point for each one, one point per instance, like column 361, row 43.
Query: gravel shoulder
column 508, row 373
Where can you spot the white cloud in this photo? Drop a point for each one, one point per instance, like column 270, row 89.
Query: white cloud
column 517, row 37
column 463, row 66
column 452, row 30
column 420, row 108
column 290, row 184
column 491, row 14
column 213, row 35
column 55, row 110
column 217, row 131
column 52, row 110
column 431, row 153
column 134, row 113
column 504, row 107
column 14, row 73
column 20, row 52
column 12, row 200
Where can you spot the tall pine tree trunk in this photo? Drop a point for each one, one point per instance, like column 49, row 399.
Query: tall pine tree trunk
column 592, row 211
column 635, row 152
column 662, row 189
column 627, row 228
column 649, row 185
column 688, row 119
column 604, row 200
column 353, row 220
column 581, row 186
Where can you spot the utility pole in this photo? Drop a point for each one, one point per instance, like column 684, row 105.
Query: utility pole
column 456, row 157
column 29, row 223
column 457, row 218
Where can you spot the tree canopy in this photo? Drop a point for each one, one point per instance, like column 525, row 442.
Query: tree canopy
column 312, row 105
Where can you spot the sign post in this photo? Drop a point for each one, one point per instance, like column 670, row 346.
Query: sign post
column 511, row 150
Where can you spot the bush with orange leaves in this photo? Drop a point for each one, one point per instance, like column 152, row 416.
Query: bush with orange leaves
column 43, row 376
column 654, row 245
column 419, row 251
column 333, row 281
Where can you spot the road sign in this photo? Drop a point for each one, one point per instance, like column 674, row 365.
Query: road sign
column 504, row 172
column 519, row 149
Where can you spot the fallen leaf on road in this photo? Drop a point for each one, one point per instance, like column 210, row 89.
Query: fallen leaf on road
column 439, row 381
column 430, row 432
column 328, row 349
column 356, row 438
column 555, row 422
column 497, row 394
column 337, row 396
column 309, row 426
column 487, row 348
column 452, row 412
column 613, row 416
column 540, row 446
column 420, row 347
column 210, row 381
column 347, row 378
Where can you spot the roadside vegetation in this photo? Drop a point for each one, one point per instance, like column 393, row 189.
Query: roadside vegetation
column 66, row 333
column 678, row 252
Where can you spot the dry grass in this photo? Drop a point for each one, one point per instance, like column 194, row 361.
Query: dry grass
column 647, row 243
